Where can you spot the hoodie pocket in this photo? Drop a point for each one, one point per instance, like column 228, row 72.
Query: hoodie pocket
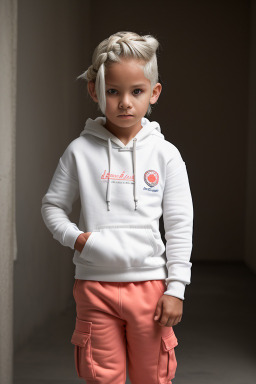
column 87, row 245
column 122, row 246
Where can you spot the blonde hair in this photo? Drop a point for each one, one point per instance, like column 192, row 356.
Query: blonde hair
column 122, row 45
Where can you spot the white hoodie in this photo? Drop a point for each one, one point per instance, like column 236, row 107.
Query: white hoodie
column 124, row 190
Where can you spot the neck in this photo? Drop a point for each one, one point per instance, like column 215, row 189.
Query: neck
column 124, row 134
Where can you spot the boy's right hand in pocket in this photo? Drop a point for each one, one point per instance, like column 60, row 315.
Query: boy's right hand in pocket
column 81, row 240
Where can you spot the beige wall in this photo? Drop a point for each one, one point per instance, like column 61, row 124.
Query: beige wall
column 51, row 109
column 250, row 255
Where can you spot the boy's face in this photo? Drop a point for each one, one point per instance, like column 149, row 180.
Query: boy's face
column 128, row 92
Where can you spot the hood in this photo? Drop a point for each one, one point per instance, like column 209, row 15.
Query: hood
column 96, row 128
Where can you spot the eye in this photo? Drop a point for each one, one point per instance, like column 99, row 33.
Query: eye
column 111, row 91
column 137, row 91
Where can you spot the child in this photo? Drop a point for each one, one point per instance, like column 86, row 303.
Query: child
column 129, row 288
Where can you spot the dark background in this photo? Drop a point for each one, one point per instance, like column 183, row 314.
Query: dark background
column 207, row 64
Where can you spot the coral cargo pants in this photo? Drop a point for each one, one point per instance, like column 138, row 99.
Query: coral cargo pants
column 114, row 321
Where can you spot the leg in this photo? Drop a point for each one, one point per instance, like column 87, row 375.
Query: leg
column 150, row 347
column 99, row 337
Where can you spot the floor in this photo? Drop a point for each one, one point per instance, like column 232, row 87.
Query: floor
column 217, row 336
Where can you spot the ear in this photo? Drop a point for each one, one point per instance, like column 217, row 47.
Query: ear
column 155, row 93
column 91, row 90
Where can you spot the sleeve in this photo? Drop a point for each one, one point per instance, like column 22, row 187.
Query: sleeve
column 57, row 202
column 178, row 225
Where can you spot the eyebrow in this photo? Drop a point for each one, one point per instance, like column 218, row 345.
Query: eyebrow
column 135, row 85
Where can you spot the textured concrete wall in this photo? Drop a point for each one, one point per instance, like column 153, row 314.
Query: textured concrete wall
column 8, row 42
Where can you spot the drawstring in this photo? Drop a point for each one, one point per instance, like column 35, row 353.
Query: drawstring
column 109, row 184
column 134, row 171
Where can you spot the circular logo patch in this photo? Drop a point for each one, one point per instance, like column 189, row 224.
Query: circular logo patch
column 151, row 178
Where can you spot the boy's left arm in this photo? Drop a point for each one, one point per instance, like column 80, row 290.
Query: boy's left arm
column 178, row 224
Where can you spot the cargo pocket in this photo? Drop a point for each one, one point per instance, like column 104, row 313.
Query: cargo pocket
column 81, row 339
column 167, row 363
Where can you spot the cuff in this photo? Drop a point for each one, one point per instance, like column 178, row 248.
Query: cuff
column 175, row 288
column 70, row 236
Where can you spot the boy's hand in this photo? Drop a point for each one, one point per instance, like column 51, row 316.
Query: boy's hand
column 81, row 240
column 169, row 311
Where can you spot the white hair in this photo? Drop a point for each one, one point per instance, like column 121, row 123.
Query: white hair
column 117, row 46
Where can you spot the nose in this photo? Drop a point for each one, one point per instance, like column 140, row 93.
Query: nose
column 125, row 102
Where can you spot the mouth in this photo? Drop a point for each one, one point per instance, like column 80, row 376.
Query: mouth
column 125, row 115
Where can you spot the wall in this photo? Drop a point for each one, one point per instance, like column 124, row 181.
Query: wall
column 51, row 110
column 8, row 244
column 203, row 63
column 250, row 254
